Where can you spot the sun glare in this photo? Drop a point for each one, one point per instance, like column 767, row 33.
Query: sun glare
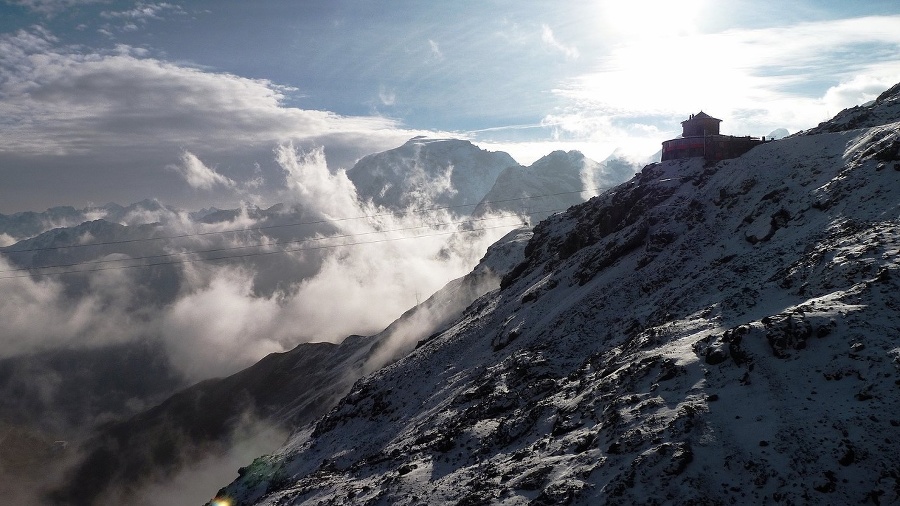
column 220, row 501
column 646, row 18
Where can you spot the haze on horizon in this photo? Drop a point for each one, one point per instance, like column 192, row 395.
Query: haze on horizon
column 108, row 100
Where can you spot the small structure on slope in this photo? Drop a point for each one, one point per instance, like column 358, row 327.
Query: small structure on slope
column 700, row 137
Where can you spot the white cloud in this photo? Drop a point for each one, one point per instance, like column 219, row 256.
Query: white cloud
column 39, row 314
column 215, row 318
column 857, row 90
column 52, row 7
column 754, row 79
column 221, row 328
column 199, row 175
column 387, row 96
column 123, row 109
column 77, row 102
column 309, row 181
column 547, row 36
column 436, row 53
column 143, row 11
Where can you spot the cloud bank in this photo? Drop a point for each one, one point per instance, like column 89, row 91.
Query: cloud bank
column 319, row 268
column 108, row 124
column 757, row 79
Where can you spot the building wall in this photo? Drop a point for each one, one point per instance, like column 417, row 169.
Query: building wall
column 700, row 126
column 710, row 147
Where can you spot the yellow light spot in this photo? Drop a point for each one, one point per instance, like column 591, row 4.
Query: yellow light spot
column 220, row 501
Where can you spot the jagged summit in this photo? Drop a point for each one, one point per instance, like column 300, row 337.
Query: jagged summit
column 703, row 333
column 427, row 172
column 552, row 184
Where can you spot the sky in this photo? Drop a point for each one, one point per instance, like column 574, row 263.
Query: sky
column 189, row 102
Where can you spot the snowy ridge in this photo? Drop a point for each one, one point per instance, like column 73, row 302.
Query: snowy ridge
column 553, row 183
column 704, row 333
column 428, row 172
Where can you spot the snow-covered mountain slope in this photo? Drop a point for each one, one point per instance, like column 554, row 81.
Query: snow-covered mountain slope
column 284, row 390
column 429, row 172
column 703, row 334
column 553, row 183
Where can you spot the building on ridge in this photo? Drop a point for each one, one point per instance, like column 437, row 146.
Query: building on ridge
column 700, row 137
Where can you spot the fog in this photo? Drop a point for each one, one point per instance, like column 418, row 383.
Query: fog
column 214, row 292
column 323, row 266
column 199, row 482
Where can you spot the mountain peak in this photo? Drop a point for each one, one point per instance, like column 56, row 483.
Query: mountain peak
column 427, row 172
column 891, row 94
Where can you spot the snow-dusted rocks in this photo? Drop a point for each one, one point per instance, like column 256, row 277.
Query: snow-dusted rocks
column 704, row 333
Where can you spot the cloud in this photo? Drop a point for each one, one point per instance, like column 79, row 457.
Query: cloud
column 856, row 91
column 7, row 240
column 144, row 11
column 310, row 181
column 788, row 76
column 136, row 18
column 386, row 96
column 198, row 175
column 351, row 268
column 81, row 102
column 118, row 118
column 40, row 314
column 436, row 53
column 549, row 39
column 222, row 328
column 52, row 7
